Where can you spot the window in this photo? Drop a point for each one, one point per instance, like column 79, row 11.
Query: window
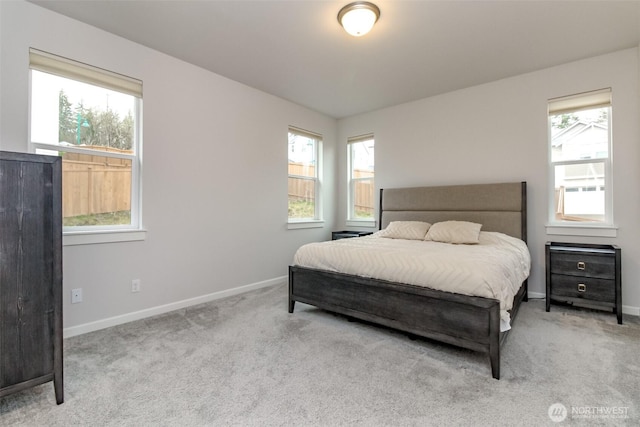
column 580, row 159
column 304, row 175
column 92, row 119
column 361, row 198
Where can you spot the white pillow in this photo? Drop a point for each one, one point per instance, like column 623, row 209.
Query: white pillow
column 408, row 230
column 457, row 232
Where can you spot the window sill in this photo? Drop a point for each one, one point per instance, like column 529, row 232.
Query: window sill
column 305, row 224
column 95, row 237
column 360, row 223
column 582, row 230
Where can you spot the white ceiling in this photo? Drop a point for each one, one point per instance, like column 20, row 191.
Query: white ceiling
column 296, row 49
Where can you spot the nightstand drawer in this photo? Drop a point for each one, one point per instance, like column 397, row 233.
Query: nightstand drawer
column 584, row 265
column 594, row 289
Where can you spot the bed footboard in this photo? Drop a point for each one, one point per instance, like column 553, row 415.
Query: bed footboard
column 464, row 321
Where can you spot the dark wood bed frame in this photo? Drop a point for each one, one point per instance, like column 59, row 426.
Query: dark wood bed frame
column 465, row 321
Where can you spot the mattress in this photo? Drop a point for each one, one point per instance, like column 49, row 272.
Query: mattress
column 494, row 268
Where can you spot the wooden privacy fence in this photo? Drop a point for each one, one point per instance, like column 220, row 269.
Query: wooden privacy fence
column 364, row 194
column 303, row 189
column 93, row 184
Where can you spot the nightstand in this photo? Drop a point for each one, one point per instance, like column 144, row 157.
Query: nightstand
column 584, row 274
column 345, row 234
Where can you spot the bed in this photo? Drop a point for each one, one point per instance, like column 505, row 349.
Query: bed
column 472, row 322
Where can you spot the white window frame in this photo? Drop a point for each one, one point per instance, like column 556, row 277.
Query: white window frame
column 569, row 104
column 74, row 70
column 317, row 220
column 352, row 220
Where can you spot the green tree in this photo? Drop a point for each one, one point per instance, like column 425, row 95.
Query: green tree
column 111, row 131
column 563, row 121
column 88, row 126
column 126, row 132
column 66, row 120
column 603, row 116
column 106, row 129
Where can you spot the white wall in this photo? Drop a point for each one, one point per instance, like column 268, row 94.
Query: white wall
column 214, row 174
column 498, row 132
column 215, row 158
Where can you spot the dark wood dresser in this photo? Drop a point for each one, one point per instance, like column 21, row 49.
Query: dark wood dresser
column 584, row 274
column 30, row 272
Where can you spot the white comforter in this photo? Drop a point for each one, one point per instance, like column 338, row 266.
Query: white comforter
column 494, row 268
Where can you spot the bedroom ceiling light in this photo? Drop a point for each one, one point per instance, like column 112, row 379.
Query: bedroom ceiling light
column 358, row 18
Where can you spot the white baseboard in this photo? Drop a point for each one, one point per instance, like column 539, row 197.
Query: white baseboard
column 142, row 314
column 626, row 309
column 137, row 315
column 537, row 295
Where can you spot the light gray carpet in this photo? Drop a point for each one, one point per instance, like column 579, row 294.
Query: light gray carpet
column 245, row 361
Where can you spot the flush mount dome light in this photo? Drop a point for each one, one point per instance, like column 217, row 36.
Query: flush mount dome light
column 357, row 18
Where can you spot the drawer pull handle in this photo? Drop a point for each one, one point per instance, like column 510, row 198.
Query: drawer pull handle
column 581, row 265
column 582, row 287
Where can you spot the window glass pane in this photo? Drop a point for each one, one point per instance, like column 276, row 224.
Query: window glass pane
column 580, row 192
column 301, row 198
column 363, row 198
column 362, row 158
column 91, row 128
column 303, row 175
column 580, row 135
column 96, row 190
column 302, row 155
column 362, row 162
column 67, row 112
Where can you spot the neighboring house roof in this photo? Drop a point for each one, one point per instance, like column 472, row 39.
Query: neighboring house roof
column 575, row 130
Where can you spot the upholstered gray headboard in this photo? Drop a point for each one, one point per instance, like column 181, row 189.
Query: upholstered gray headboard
column 498, row 207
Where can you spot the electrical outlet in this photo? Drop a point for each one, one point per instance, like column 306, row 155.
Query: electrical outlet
column 135, row 285
column 76, row 295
